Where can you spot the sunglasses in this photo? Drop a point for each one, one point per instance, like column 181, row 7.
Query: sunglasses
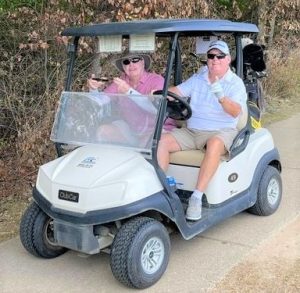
column 131, row 60
column 219, row 56
column 100, row 78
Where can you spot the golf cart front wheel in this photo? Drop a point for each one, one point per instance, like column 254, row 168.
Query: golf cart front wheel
column 36, row 233
column 140, row 252
column 269, row 193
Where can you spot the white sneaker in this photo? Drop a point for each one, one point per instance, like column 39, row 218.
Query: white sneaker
column 194, row 209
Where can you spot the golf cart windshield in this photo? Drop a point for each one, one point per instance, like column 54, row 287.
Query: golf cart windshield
column 108, row 119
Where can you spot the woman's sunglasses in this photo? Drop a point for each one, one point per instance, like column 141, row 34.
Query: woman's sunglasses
column 131, row 60
column 219, row 56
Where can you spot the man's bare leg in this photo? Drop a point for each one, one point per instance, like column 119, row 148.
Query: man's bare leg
column 167, row 145
column 214, row 150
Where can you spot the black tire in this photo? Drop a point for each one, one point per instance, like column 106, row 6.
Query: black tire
column 140, row 236
column 269, row 193
column 36, row 233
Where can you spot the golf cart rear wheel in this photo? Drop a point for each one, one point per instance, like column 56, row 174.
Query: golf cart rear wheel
column 36, row 233
column 269, row 193
column 140, row 252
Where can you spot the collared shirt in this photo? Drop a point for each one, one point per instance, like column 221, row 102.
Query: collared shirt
column 142, row 119
column 148, row 83
column 208, row 113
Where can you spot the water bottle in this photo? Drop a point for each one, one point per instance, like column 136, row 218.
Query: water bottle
column 172, row 182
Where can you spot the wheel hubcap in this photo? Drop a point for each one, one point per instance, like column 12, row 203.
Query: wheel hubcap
column 152, row 255
column 49, row 232
column 273, row 191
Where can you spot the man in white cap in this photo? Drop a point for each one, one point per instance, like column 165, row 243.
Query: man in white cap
column 217, row 98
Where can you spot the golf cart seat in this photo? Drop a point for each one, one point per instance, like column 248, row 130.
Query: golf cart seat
column 194, row 158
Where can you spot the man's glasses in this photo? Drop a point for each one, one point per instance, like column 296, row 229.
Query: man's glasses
column 219, row 56
column 131, row 60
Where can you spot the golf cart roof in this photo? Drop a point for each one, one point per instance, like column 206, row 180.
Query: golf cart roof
column 162, row 27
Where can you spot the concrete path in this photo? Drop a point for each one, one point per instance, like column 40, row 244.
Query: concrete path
column 195, row 265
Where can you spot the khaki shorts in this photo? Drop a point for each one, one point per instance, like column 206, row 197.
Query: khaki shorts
column 191, row 139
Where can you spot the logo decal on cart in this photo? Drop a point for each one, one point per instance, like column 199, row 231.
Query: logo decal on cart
column 233, row 177
column 88, row 162
column 68, row 195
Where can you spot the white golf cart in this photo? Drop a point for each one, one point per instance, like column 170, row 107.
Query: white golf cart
column 107, row 193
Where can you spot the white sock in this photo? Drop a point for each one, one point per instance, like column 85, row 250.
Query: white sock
column 197, row 194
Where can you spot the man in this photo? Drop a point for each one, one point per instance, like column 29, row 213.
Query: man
column 217, row 99
column 135, row 79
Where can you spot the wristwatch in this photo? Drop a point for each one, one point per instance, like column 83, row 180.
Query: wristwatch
column 221, row 100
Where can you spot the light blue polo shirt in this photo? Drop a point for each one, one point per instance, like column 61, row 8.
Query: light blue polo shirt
column 208, row 113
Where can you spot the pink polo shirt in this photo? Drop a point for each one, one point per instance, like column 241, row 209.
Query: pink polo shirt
column 148, row 83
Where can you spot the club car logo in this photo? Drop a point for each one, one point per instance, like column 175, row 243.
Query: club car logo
column 68, row 195
column 88, row 162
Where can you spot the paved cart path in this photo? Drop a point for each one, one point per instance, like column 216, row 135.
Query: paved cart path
column 196, row 265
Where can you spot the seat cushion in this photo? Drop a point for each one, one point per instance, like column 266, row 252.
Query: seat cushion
column 191, row 158
column 187, row 158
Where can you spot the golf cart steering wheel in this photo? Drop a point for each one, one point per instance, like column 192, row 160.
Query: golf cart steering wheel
column 179, row 109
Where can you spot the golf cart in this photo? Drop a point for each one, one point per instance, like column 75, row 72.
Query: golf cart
column 106, row 193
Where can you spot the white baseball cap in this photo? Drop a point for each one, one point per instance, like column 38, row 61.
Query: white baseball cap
column 220, row 45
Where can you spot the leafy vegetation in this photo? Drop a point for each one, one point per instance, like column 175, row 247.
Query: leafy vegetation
column 10, row 5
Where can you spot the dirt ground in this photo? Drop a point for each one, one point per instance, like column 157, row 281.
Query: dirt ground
column 274, row 267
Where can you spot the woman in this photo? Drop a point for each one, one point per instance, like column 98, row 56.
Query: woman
column 135, row 79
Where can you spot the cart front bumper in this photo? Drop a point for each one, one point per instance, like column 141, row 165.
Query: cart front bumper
column 76, row 237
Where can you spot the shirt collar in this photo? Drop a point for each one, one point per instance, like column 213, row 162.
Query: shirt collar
column 227, row 76
column 144, row 77
column 142, row 80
